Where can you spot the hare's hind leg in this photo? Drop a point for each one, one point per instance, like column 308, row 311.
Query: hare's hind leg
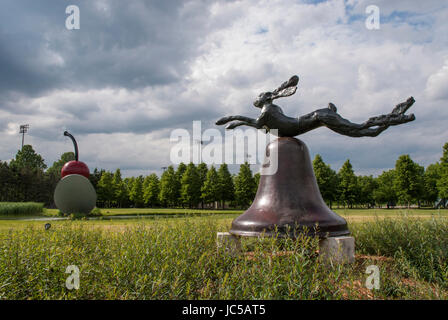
column 331, row 119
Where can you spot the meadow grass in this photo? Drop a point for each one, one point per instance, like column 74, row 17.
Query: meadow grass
column 21, row 208
column 177, row 258
column 419, row 247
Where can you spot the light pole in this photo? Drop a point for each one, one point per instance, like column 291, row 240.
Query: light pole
column 24, row 129
column 200, row 142
column 247, row 159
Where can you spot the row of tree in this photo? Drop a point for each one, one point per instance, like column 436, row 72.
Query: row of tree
column 188, row 186
column 26, row 178
column 408, row 183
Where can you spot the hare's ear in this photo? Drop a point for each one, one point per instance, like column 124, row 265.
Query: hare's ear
column 288, row 88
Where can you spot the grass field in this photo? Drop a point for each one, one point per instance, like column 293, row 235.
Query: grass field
column 175, row 257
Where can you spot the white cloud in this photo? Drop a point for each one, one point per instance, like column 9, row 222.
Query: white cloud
column 437, row 84
column 248, row 47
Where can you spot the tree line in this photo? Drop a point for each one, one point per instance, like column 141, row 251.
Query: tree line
column 188, row 186
column 407, row 184
column 27, row 178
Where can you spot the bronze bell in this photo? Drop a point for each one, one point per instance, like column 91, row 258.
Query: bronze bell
column 288, row 200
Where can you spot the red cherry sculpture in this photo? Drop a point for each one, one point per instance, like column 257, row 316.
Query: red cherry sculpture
column 74, row 166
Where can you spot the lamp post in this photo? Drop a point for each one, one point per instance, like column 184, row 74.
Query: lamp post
column 24, row 129
column 248, row 156
column 200, row 142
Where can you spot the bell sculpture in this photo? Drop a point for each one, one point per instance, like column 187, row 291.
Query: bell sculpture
column 288, row 200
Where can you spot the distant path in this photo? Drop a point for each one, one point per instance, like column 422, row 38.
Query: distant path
column 124, row 216
column 38, row 218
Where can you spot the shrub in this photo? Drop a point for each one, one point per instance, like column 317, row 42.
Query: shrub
column 21, row 208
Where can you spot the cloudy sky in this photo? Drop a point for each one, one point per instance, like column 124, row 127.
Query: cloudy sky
column 137, row 70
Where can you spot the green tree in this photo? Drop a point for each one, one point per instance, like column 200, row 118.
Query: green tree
column 53, row 174
column 385, row 192
column 257, row 177
column 95, row 177
column 190, row 192
column 28, row 158
column 169, row 190
column 121, row 193
column 136, row 192
column 348, row 186
column 442, row 182
column 419, row 196
column 408, row 180
column 210, row 189
column 244, row 186
column 8, row 183
column 226, row 187
column 31, row 185
column 105, row 189
column 56, row 168
column 327, row 180
column 181, row 168
column 431, row 176
column 151, row 190
column 129, row 182
column 202, row 171
column 444, row 159
column 367, row 186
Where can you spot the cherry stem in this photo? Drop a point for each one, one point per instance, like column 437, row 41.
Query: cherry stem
column 74, row 143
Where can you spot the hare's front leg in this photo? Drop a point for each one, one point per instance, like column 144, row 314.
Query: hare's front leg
column 235, row 124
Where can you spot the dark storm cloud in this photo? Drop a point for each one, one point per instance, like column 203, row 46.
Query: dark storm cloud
column 130, row 44
column 96, row 121
column 20, row 71
column 141, row 124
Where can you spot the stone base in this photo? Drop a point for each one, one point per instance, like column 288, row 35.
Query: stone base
column 337, row 250
column 228, row 242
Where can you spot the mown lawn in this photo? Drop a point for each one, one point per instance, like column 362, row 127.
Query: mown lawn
column 177, row 258
column 342, row 212
column 154, row 211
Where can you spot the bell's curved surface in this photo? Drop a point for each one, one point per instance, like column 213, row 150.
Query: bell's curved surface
column 288, row 200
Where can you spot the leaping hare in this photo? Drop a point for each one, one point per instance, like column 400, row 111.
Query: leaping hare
column 272, row 117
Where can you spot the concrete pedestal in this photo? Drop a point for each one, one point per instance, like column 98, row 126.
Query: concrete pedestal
column 338, row 250
column 228, row 242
